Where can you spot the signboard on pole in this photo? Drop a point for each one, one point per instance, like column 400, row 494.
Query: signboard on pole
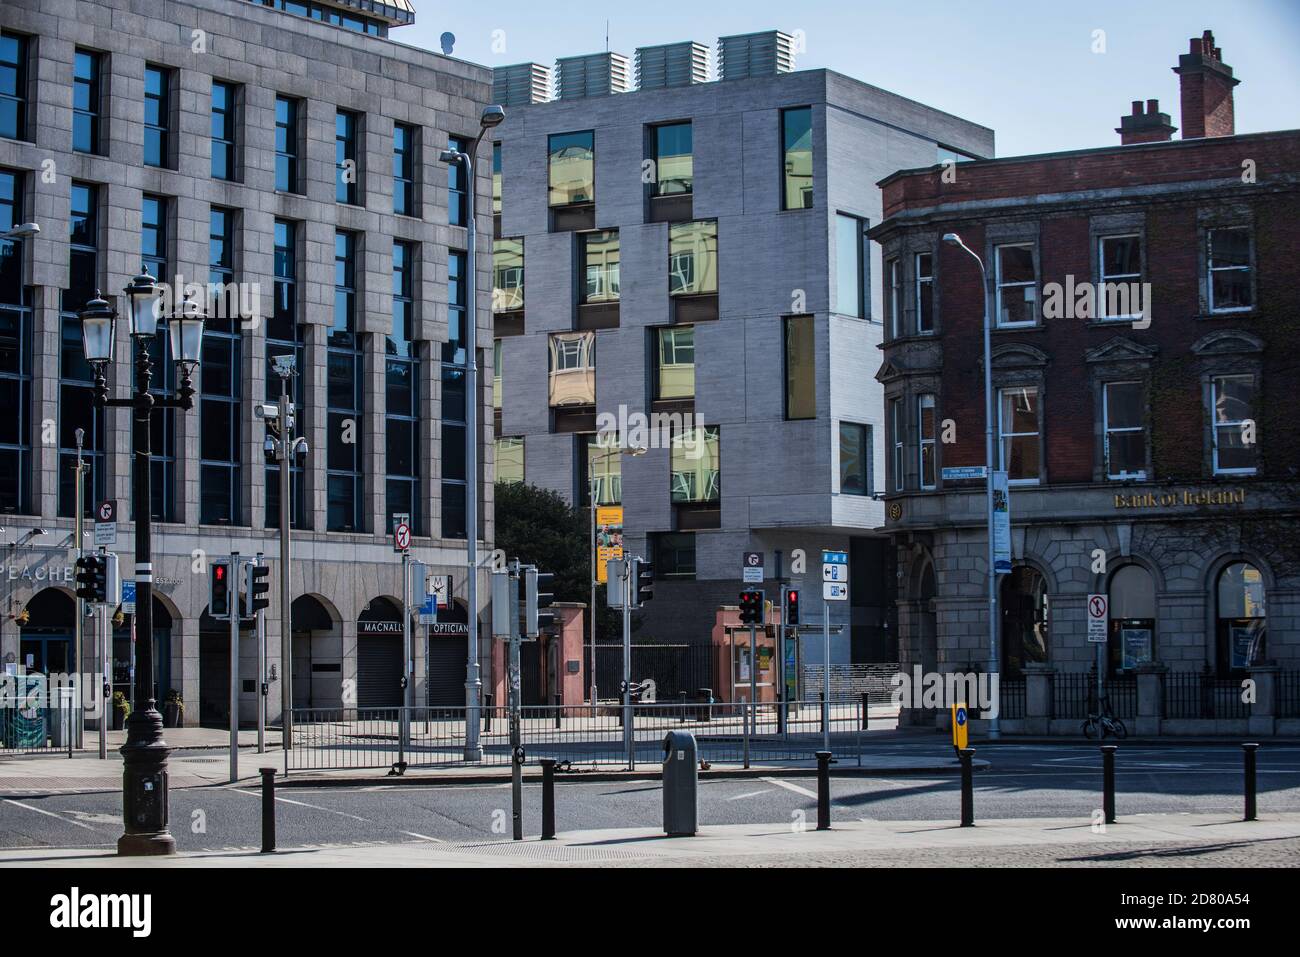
column 751, row 568
column 402, row 538
column 428, row 612
column 128, row 597
column 105, row 523
column 835, row 576
column 439, row 588
column 609, row 538
column 1001, row 524
column 960, row 725
column 1098, row 618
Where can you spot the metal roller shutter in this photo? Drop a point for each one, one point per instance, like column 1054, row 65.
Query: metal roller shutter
column 379, row 671
column 446, row 672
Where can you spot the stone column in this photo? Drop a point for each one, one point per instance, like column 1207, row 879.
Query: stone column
column 1263, row 713
column 1150, row 703
column 1038, row 697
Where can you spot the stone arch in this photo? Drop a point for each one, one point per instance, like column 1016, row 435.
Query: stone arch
column 317, row 651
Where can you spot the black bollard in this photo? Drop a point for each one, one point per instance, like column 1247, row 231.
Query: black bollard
column 1248, row 751
column 823, row 790
column 866, row 710
column 487, row 714
column 967, row 788
column 548, row 799
column 268, row 810
column 1108, row 781
column 682, row 720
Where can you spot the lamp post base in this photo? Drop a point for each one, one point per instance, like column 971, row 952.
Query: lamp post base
column 144, row 787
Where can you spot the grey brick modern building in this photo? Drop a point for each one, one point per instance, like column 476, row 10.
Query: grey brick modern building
column 697, row 248
column 290, row 150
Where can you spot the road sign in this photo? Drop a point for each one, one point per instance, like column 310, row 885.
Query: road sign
column 835, row 591
column 835, row 575
column 106, row 523
column 439, row 588
column 128, row 597
column 1001, row 524
column 963, row 473
column 751, row 568
column 960, row 725
column 428, row 612
column 402, row 538
column 1098, row 618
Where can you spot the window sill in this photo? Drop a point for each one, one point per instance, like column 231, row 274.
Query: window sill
column 597, row 315
column 1131, row 322
column 689, row 309
column 1250, row 313
column 1023, row 327
column 505, row 324
column 671, row 208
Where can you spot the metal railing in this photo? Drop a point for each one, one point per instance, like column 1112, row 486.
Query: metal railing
column 1012, row 698
column 571, row 734
column 1074, row 695
column 49, row 726
column 1288, row 694
column 1195, row 694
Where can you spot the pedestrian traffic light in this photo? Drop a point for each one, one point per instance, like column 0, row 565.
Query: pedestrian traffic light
column 92, row 578
column 219, row 590
column 256, row 589
column 792, row 606
column 751, row 607
column 536, row 602
column 644, row 576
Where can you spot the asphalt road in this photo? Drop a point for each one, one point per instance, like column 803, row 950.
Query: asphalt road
column 1024, row 781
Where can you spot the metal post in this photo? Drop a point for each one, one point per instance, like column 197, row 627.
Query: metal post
column 826, row 675
column 514, row 696
column 967, row 787
column 106, row 679
column 286, row 534
column 404, row 725
column 629, row 737
column 268, row 810
column 994, row 723
column 261, row 671
column 1248, row 753
column 548, row 799
column 79, row 669
column 753, row 679
column 778, row 695
column 473, row 681
column 1108, row 781
column 866, row 710
column 744, row 724
column 235, row 573
column 595, row 577
column 823, row 790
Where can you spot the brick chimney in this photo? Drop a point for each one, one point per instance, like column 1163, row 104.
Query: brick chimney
column 1149, row 126
column 1206, row 86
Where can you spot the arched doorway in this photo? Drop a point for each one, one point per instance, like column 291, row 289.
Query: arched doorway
column 447, row 652
column 1240, row 620
column 45, row 640
column 1132, row 619
column 379, row 655
column 124, row 658
column 214, row 669
column 1024, row 619
column 927, row 631
column 317, row 654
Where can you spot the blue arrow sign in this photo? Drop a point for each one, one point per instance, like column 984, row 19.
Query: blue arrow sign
column 961, row 715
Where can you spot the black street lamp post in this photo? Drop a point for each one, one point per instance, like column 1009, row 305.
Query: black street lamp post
column 144, row 755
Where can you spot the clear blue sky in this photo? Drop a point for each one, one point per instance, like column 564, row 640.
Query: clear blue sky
column 1026, row 69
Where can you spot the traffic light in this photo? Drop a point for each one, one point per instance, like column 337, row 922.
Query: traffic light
column 792, row 606
column 645, row 581
column 219, row 603
column 751, row 607
column 535, row 601
column 256, row 589
column 92, row 578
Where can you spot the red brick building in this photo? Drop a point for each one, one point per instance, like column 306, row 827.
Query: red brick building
column 1145, row 308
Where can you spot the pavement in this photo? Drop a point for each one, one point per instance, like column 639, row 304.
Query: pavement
column 1146, row 840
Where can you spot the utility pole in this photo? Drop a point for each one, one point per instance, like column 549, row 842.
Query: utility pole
column 235, row 574
column 629, row 734
column 514, row 695
column 80, row 670
column 404, row 731
column 261, row 668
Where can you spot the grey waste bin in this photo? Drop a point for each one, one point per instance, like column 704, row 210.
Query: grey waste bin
column 61, row 716
column 681, row 784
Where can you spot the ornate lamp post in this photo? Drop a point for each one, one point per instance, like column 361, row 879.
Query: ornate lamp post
column 144, row 756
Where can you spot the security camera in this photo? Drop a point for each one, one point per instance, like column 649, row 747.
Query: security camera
column 266, row 410
column 284, row 364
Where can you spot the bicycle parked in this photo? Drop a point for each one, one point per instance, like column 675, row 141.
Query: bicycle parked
column 1105, row 722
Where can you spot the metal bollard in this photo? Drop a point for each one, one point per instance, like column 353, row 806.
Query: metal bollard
column 487, row 714
column 548, row 799
column 1108, row 781
column 268, row 810
column 1248, row 752
column 967, row 788
column 823, row 790
column 866, row 710
column 682, row 719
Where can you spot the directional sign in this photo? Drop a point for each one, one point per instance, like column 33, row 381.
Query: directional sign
column 751, row 568
column 835, row 575
column 834, row 591
column 439, row 588
column 1098, row 618
column 402, row 537
column 964, row 472
column 106, row 523
column 960, row 725
column 128, row 597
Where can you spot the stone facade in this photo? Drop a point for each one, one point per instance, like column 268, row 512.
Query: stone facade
column 264, row 52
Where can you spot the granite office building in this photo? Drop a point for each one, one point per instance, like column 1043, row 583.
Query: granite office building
column 698, row 249
column 289, row 151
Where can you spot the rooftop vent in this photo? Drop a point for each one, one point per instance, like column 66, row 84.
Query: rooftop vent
column 521, row 84
column 755, row 54
column 597, row 74
column 672, row 64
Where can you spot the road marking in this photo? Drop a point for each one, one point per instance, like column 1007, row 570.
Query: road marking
column 750, row 794
column 791, row 787
column 423, row 837
column 57, row 817
column 314, row 807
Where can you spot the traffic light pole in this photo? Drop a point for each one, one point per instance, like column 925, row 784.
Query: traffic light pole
column 261, row 671
column 629, row 733
column 80, row 671
column 106, row 678
column 404, row 726
column 287, row 452
column 514, row 699
column 234, row 576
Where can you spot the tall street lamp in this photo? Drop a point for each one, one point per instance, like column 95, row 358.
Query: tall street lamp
column 953, row 239
column 144, row 755
column 592, row 481
column 21, row 231
column 492, row 116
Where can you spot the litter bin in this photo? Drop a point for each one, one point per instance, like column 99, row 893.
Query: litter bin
column 681, row 784
column 61, row 716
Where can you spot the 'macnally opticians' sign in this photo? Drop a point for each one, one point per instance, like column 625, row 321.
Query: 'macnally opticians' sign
column 1181, row 499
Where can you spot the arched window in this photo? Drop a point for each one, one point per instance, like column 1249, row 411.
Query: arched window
column 1240, row 618
column 1024, row 619
column 1132, row 618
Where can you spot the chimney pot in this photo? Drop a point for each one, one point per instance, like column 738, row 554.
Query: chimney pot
column 1153, row 106
column 1205, row 90
column 1137, row 107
